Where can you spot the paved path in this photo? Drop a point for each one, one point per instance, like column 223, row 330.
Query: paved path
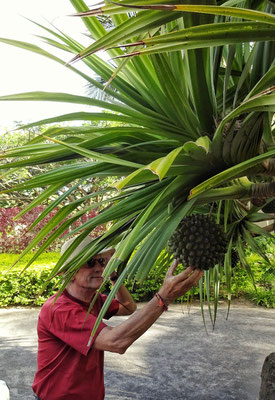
column 174, row 360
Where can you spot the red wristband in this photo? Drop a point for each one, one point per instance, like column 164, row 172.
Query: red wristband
column 161, row 302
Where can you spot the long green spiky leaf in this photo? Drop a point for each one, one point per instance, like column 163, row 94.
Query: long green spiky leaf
column 55, row 235
column 98, row 116
column 210, row 40
column 95, row 63
column 133, row 203
column 70, row 98
column 256, row 229
column 121, row 253
column 265, row 101
column 73, row 48
column 40, row 199
column 244, row 261
column 158, row 167
column 205, row 32
column 114, row 8
column 57, row 219
column 69, row 173
column 96, row 155
column 214, row 10
column 127, row 29
column 264, row 83
column 62, row 197
column 253, row 244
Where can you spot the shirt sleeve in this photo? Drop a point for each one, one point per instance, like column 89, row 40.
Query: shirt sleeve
column 71, row 328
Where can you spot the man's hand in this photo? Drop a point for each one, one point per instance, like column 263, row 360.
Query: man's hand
column 117, row 339
column 175, row 286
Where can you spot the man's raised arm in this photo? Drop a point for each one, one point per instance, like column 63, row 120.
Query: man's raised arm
column 118, row 339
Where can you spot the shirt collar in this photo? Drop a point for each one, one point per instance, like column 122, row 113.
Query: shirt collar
column 76, row 300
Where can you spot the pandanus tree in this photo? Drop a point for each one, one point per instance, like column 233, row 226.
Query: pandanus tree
column 190, row 87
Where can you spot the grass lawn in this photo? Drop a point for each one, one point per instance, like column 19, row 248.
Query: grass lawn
column 46, row 260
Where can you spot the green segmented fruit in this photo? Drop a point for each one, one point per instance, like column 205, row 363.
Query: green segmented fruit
column 192, row 246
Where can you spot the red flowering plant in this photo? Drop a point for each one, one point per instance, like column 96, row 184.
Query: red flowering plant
column 15, row 234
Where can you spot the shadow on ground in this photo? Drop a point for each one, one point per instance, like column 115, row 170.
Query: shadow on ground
column 174, row 360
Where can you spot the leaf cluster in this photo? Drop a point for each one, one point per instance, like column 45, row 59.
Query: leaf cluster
column 191, row 91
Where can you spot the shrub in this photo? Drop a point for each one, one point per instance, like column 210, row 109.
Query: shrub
column 15, row 235
column 263, row 275
column 24, row 289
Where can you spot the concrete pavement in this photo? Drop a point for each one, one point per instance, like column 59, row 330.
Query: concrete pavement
column 174, row 360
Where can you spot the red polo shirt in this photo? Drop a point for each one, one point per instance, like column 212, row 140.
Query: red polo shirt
column 67, row 369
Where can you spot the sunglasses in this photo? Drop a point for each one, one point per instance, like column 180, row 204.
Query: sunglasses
column 91, row 263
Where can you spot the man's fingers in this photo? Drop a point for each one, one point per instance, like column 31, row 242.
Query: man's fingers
column 193, row 278
column 189, row 272
column 200, row 275
column 184, row 274
column 171, row 270
column 197, row 274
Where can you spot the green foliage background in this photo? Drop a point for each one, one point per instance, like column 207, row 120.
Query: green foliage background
column 23, row 289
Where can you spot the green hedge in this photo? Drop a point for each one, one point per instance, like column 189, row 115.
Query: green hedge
column 264, row 278
column 19, row 288
column 23, row 288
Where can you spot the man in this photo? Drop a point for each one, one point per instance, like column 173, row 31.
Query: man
column 69, row 368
